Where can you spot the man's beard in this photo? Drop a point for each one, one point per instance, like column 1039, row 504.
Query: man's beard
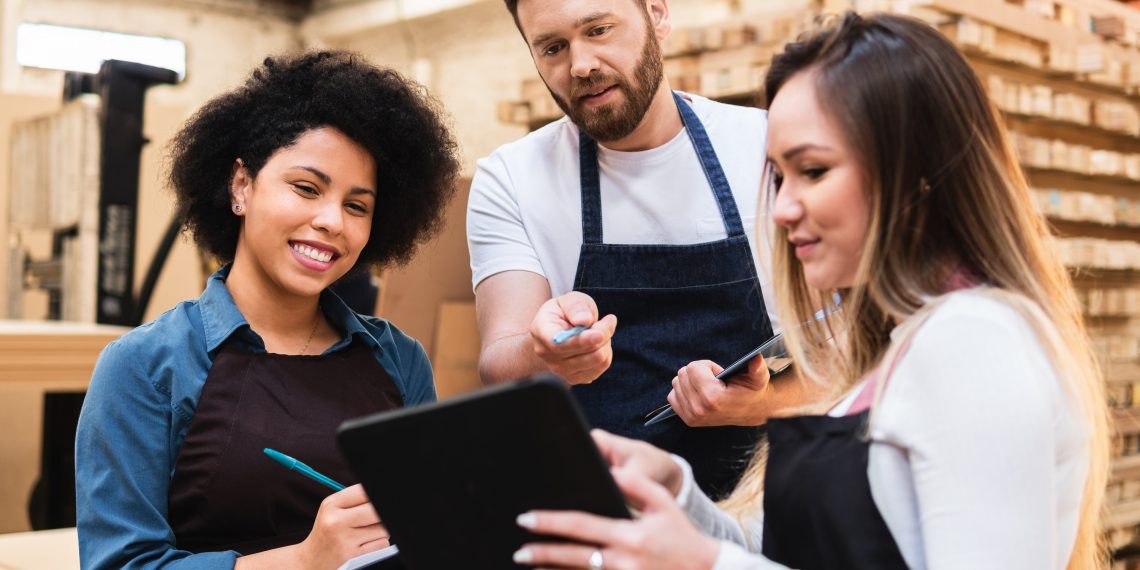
column 613, row 122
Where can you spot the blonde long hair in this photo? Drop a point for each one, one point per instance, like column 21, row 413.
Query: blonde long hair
column 946, row 193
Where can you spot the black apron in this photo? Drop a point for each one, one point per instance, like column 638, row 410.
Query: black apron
column 818, row 509
column 675, row 304
column 225, row 493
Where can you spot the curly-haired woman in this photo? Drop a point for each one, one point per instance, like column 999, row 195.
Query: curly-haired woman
column 318, row 165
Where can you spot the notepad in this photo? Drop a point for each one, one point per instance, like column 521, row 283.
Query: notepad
column 368, row 559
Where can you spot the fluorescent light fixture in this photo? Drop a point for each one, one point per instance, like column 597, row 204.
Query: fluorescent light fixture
column 78, row 49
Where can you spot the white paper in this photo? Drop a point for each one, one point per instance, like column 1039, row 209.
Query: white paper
column 369, row 558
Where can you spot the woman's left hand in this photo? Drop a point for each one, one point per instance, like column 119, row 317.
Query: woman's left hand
column 661, row 538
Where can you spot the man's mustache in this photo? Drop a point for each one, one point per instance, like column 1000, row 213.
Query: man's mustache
column 585, row 87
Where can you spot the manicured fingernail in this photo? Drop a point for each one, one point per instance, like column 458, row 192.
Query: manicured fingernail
column 527, row 520
column 581, row 317
column 523, row 555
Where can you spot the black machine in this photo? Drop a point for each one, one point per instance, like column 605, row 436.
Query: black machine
column 122, row 86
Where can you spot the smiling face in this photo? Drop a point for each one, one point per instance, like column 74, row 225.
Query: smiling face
column 600, row 59
column 822, row 191
column 307, row 215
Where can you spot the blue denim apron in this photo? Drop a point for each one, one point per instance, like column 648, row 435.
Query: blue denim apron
column 674, row 304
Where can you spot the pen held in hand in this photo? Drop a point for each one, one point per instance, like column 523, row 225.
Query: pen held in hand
column 303, row 469
column 569, row 334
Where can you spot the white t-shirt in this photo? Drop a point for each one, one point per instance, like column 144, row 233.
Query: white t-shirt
column 978, row 456
column 525, row 208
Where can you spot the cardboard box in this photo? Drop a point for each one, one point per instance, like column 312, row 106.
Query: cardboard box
column 1111, row 26
column 455, row 357
column 1090, row 58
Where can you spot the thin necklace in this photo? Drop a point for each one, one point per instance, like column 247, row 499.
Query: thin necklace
column 311, row 333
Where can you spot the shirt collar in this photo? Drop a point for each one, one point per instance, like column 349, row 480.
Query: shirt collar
column 344, row 318
column 221, row 318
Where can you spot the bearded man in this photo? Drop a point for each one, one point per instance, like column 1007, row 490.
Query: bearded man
column 639, row 205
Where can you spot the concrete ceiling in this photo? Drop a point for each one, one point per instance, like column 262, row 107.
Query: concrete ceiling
column 291, row 9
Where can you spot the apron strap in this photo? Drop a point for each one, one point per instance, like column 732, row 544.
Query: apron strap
column 711, row 165
column 591, row 189
column 591, row 181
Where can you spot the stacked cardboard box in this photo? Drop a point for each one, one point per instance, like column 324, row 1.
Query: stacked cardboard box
column 1088, row 207
column 735, row 71
column 1095, row 253
column 1038, row 152
column 1111, row 27
column 1116, row 116
column 1103, row 302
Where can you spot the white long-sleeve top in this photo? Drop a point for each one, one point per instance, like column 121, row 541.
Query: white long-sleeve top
column 978, row 456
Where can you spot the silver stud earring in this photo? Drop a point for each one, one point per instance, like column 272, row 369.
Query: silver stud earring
column 237, row 208
column 923, row 185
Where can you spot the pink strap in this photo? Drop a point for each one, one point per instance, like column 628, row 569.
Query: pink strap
column 866, row 395
column 961, row 278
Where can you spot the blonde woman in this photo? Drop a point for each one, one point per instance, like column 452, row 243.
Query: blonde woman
column 970, row 429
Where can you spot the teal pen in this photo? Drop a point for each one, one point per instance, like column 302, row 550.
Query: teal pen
column 569, row 334
column 302, row 469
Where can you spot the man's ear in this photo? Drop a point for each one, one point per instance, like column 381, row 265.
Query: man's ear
column 240, row 185
column 658, row 11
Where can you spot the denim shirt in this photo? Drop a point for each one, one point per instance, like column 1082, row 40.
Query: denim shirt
column 138, row 407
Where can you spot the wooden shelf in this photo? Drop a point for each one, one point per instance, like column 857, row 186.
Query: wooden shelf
column 1126, row 420
column 1066, row 228
column 1121, row 371
column 1063, row 180
column 1101, row 277
column 1069, row 131
column 1071, row 80
column 1125, row 467
column 1124, row 514
column 51, row 354
column 1079, row 177
column 1059, row 37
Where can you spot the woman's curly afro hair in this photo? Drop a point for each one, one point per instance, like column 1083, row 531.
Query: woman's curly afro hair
column 391, row 117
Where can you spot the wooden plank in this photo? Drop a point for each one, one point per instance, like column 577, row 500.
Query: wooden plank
column 50, row 354
column 1012, row 18
column 1065, row 80
column 1071, row 228
column 1121, row 371
column 1072, row 133
column 1126, row 467
column 1046, row 178
column 1126, row 514
column 1096, row 183
column 57, row 549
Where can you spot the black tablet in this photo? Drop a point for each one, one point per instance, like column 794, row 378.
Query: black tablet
column 448, row 479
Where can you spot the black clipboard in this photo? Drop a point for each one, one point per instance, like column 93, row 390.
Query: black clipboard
column 448, row 479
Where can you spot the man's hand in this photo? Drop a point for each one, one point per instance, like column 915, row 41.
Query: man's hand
column 585, row 357
column 702, row 400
